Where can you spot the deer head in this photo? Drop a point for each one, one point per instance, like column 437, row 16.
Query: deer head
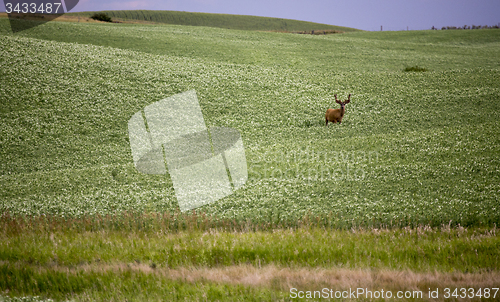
column 342, row 104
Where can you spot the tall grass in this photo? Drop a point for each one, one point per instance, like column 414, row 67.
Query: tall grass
column 118, row 285
column 136, row 282
column 176, row 257
column 193, row 221
column 183, row 240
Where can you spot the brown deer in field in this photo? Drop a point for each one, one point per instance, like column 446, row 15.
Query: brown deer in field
column 336, row 115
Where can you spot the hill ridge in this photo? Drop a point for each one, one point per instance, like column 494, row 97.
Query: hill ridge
column 243, row 22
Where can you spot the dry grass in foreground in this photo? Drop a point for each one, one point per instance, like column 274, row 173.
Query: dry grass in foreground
column 283, row 279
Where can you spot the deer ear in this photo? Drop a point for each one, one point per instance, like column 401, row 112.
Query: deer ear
column 337, row 101
column 347, row 101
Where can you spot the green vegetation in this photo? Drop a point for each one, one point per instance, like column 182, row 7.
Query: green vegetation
column 219, row 20
column 121, row 285
column 85, row 241
column 415, row 69
column 414, row 161
column 101, row 17
column 24, row 299
column 95, row 259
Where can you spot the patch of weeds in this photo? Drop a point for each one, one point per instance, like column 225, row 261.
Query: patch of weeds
column 101, row 17
column 415, row 69
column 311, row 123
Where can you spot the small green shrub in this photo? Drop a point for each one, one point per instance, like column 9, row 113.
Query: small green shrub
column 415, row 69
column 101, row 17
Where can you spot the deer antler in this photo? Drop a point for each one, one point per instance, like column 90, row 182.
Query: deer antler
column 336, row 100
column 348, row 99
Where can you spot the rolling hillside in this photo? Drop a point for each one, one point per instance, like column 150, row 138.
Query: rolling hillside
column 402, row 196
column 219, row 20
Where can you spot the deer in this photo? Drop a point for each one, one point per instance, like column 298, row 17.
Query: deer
column 336, row 115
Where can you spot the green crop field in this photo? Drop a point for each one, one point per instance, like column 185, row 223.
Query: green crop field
column 416, row 147
column 409, row 182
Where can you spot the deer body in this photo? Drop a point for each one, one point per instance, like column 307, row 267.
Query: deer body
column 336, row 115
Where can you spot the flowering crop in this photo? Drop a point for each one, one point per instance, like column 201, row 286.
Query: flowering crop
column 413, row 148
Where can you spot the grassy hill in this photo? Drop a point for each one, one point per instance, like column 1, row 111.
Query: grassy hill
column 219, row 20
column 403, row 195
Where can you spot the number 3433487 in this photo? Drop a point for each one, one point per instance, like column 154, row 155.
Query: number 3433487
column 34, row 8
column 471, row 293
